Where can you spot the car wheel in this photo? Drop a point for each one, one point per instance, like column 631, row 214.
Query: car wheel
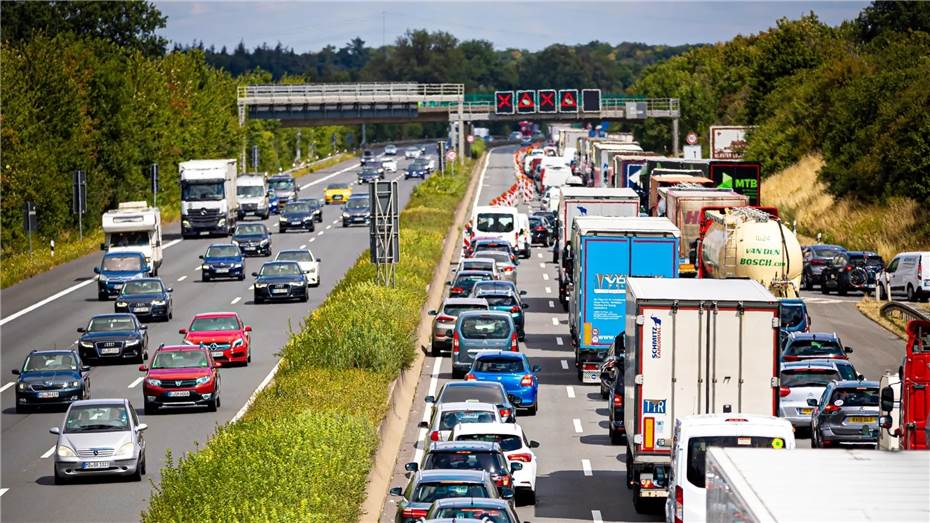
column 150, row 409
column 603, row 392
column 842, row 290
column 457, row 374
column 304, row 298
column 534, row 409
column 137, row 475
column 102, row 296
column 824, row 289
column 616, row 437
column 213, row 404
column 142, row 464
column 806, row 282
column 21, row 409
column 529, row 498
column 204, row 278
column 434, row 350
column 282, row 230
column 258, row 300
column 911, row 296
column 59, row 479
column 242, row 277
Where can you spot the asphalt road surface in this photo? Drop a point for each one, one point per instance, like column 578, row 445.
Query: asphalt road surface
column 26, row 486
column 581, row 476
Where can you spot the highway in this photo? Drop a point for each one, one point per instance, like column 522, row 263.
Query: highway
column 26, row 487
column 581, row 476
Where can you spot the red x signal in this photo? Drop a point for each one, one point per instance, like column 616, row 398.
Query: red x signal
column 504, row 102
column 547, row 101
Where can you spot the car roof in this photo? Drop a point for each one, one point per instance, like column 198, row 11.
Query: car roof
column 499, row 291
column 475, row 384
column 176, row 348
column 467, row 405
column 488, row 313
column 849, row 384
column 216, row 315
column 52, row 351
column 222, row 244
column 113, row 315
column 820, row 363
column 465, row 301
column 124, row 253
column 792, row 301
column 472, row 272
column 491, row 241
column 474, row 476
column 279, row 262
column 471, row 502
column 478, row 259
column 862, row 253
column 501, row 354
column 102, row 401
column 148, row 279
column 827, row 246
column 704, row 420
column 814, row 336
column 291, row 250
column 454, row 446
column 501, row 427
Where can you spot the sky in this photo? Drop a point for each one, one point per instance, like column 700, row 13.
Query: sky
column 309, row 26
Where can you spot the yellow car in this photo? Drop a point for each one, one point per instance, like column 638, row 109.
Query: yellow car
column 337, row 193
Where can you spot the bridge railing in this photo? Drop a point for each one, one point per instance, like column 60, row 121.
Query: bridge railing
column 896, row 309
column 359, row 91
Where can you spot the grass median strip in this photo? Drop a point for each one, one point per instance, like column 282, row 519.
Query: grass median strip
column 303, row 450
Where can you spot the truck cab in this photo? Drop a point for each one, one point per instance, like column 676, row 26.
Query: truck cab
column 208, row 197
column 252, row 193
column 913, row 398
column 134, row 227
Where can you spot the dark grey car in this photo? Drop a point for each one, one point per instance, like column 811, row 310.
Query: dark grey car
column 846, row 413
column 476, row 331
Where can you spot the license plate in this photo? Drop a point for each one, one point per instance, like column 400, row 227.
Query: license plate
column 179, row 393
column 47, row 394
column 861, row 419
column 217, row 354
column 337, row 197
column 278, row 291
column 296, row 223
column 90, row 465
column 141, row 309
column 117, row 285
column 110, row 351
column 590, row 377
column 218, row 271
column 653, row 493
column 807, row 412
column 204, row 233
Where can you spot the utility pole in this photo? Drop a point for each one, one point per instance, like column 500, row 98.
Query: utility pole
column 154, row 185
column 79, row 199
column 297, row 155
column 255, row 158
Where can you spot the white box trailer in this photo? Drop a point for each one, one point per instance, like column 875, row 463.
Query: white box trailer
column 134, row 227
column 692, row 346
column 769, row 486
column 208, row 197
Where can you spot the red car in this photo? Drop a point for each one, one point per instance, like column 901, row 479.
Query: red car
column 181, row 376
column 223, row 334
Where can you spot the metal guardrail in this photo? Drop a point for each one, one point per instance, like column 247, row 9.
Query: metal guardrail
column 285, row 93
column 905, row 311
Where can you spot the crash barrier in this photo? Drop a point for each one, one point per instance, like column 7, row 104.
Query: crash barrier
column 898, row 310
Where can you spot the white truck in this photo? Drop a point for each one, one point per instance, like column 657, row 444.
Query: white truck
column 252, row 194
column 769, row 485
column 208, row 197
column 692, row 346
column 134, row 227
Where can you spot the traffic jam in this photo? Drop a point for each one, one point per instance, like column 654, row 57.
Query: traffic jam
column 691, row 340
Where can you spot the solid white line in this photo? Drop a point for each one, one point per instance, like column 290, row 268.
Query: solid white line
column 545, row 276
column 577, row 423
column 328, row 227
column 8, row 385
column 3, row 491
column 312, row 240
column 558, row 340
column 542, row 265
column 548, row 290
column 555, row 321
column 433, row 385
column 570, row 391
column 596, row 516
column 551, row 304
column 586, row 467
column 564, row 364
column 484, row 170
column 49, row 452
column 235, row 300
column 323, row 179
column 135, row 382
column 258, row 389
column 182, row 278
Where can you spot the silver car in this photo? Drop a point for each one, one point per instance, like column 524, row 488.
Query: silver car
column 846, row 413
column 447, row 415
column 805, row 380
column 444, row 320
column 99, row 438
column 506, row 268
column 476, row 331
column 478, row 264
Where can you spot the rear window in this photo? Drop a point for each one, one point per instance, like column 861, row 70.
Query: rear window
column 476, row 265
column 430, row 492
column 814, row 347
column 825, row 252
column 808, row 377
column 490, row 515
column 697, row 449
column 871, row 261
column 499, row 300
column 452, row 418
column 495, row 222
column 485, row 328
column 455, row 310
column 466, row 282
column 500, row 256
column 792, row 315
column 493, row 462
column 508, row 442
column 855, row 397
column 502, row 365
column 483, row 394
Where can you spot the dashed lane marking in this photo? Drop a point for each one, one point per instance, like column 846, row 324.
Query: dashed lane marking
column 548, row 290
column 596, row 516
column 335, row 221
column 542, row 265
column 577, row 424
column 539, row 255
column 586, row 467
column 320, row 233
column 312, row 240
column 49, row 452
column 135, row 382
column 8, row 385
column 570, row 391
column 555, row 321
column 328, row 227
column 182, row 278
column 303, row 246
column 551, row 304
column 564, row 364
column 235, row 300
column 546, row 276
column 252, row 287
column 558, row 341
column 3, row 491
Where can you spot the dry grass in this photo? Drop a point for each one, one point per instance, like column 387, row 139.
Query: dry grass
column 897, row 225
column 870, row 308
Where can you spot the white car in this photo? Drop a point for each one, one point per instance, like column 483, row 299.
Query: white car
column 389, row 165
column 309, row 264
column 447, row 416
column 390, row 149
column 907, row 274
column 516, row 446
column 432, row 163
column 480, row 264
column 411, row 152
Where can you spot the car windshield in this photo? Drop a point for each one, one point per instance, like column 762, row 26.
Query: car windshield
column 202, row 191
column 467, row 281
column 499, row 365
column 280, row 269
column 485, row 328
column 180, row 359
column 250, row 191
column 814, row 347
column 50, row 362
column 219, row 323
column 486, row 249
column 482, row 393
column 495, row 222
column 456, row 309
column 494, row 285
column 508, row 442
column 808, row 377
column 357, row 204
column 452, row 418
column 535, row 221
column 499, row 300
column 111, row 324
column 466, row 460
column 791, row 315
column 222, row 251
column 252, row 228
column 297, row 208
column 420, row 164
column 97, row 418
column 477, row 265
column 142, row 287
column 369, row 171
column 115, row 262
column 282, row 185
column 697, row 450
column 314, row 204
column 870, row 261
column 855, row 397
column 826, row 252
column 337, row 186
column 296, row 256
column 129, row 239
column 430, row 492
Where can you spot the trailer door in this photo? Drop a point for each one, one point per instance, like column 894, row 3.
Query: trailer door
column 652, row 257
column 602, row 294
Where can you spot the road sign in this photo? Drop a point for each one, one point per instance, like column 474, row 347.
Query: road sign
column 30, row 221
column 590, row 100
column 568, row 101
column 526, row 102
column 547, row 101
column 504, row 102
column 692, row 138
column 450, row 155
column 470, row 138
column 384, row 229
column 692, row 152
column 78, row 193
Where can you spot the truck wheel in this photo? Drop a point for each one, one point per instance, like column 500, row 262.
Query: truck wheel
column 639, row 504
column 824, row 289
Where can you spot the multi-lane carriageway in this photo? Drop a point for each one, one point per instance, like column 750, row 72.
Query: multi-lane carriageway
column 581, row 476
column 44, row 312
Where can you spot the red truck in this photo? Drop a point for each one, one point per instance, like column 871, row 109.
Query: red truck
column 914, row 403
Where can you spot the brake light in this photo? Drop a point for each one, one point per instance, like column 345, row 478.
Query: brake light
column 849, row 267
column 470, row 377
column 790, row 358
column 527, row 380
column 679, row 504
column 507, row 268
column 442, row 318
column 514, row 347
column 414, row 513
column 829, row 409
column 455, row 342
column 456, row 290
column 589, row 366
column 618, row 400
column 525, row 457
column 515, row 308
column 505, row 413
column 816, row 261
column 784, row 391
column 434, row 435
column 540, row 229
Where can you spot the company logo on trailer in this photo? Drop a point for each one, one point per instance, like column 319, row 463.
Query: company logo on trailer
column 609, row 283
column 656, row 337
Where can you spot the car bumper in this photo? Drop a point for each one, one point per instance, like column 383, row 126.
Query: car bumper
column 177, row 398
column 335, row 199
column 64, row 397
column 111, row 289
column 524, row 398
column 211, row 228
column 792, row 414
column 119, row 467
column 850, row 434
column 252, row 212
column 223, row 272
column 291, row 293
column 153, row 311
column 239, row 354
column 355, row 221
column 255, row 250
column 94, row 353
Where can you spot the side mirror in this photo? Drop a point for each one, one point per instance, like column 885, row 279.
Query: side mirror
column 534, row 444
column 169, row 289
column 411, row 467
column 811, row 402
column 255, row 274
column 103, row 246
column 85, row 368
column 143, row 327
column 54, row 430
column 506, row 493
column 140, row 427
column 536, row 368
column 217, row 364
column 96, row 270
column 848, row 350
column 143, row 368
column 431, row 313
column 201, row 256
column 861, row 377
column 448, row 283
column 523, row 293
column 182, row 331
column 885, row 422
column 16, row 372
column 887, row 399
column 525, row 305
column 397, row 491
column 248, row 328
column 81, row 330
column 423, row 424
column 319, row 259
column 430, row 399
column 515, row 466
column 145, row 355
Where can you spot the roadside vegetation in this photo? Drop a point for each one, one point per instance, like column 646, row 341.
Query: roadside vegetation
column 871, row 308
column 303, row 450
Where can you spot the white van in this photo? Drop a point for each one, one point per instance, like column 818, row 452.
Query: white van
column 693, row 435
column 523, row 235
column 134, row 227
column 907, row 274
column 497, row 222
column 554, row 176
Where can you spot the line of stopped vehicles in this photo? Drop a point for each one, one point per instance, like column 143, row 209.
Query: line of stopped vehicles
column 104, row 437
column 686, row 314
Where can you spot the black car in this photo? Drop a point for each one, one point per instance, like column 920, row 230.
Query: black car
column 851, row 271
column 816, row 257
column 146, row 298
column 356, row 211
column 280, row 280
column 51, row 377
column 367, row 156
column 113, row 337
column 316, row 208
column 253, row 238
column 464, row 281
column 419, row 168
column 296, row 215
column 222, row 260
column 369, row 174
column 612, row 391
column 540, row 232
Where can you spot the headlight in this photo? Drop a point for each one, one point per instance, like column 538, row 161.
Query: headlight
column 127, row 448
column 261, row 285
column 237, row 343
column 102, row 277
column 159, row 302
column 236, row 243
column 221, row 223
column 74, row 384
column 264, row 242
column 65, row 451
column 236, row 265
column 185, row 223
column 86, row 344
column 21, row 386
column 133, row 342
column 153, row 382
column 121, row 304
column 345, row 215
column 201, row 380
column 297, row 283
column 205, row 267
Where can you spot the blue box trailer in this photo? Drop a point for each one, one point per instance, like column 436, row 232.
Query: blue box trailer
column 608, row 250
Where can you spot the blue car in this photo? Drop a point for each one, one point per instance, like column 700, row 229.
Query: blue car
column 513, row 371
column 506, row 300
column 51, row 377
column 147, row 298
column 116, row 269
column 222, row 260
column 794, row 317
column 113, row 337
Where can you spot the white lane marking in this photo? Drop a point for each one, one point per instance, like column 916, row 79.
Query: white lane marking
column 304, row 246
column 328, row 227
column 586, row 467
column 545, row 276
column 320, row 233
column 564, row 364
column 596, row 516
column 577, row 424
column 539, row 255
column 335, row 221
column 421, row 434
column 135, row 382
column 484, row 170
column 258, row 389
column 548, row 290
column 558, row 340
column 252, row 287
column 542, row 265
column 3, row 491
column 8, row 385
column 182, row 278
column 49, row 452
column 555, row 321
column 570, row 391
column 235, row 300
column 551, row 304
column 312, row 240
column 197, row 268
column 323, row 179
